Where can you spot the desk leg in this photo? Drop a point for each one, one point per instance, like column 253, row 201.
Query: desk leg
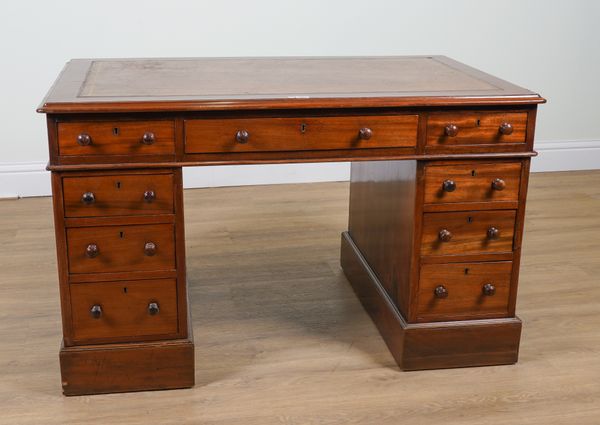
column 125, row 345
column 380, row 256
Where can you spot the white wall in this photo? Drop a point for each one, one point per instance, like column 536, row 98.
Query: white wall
column 552, row 47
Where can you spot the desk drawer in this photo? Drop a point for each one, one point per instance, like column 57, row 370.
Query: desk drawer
column 121, row 248
column 471, row 232
column 116, row 138
column 121, row 310
column 464, row 291
column 297, row 134
column 475, row 182
column 475, row 128
column 119, row 194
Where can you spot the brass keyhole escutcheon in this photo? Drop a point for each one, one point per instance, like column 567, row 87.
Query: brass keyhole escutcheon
column 303, row 127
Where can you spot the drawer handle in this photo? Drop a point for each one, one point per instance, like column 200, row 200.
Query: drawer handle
column 365, row 133
column 445, row 235
column 92, row 250
column 449, row 186
column 88, row 198
column 506, row 128
column 451, row 130
column 440, row 292
column 96, row 311
column 242, row 136
column 149, row 196
column 153, row 309
column 84, row 139
column 488, row 289
column 493, row 233
column 148, row 138
column 498, row 184
column 150, row 249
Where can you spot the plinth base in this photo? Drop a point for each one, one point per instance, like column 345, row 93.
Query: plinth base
column 433, row 345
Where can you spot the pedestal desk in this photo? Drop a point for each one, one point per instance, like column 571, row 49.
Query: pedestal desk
column 440, row 158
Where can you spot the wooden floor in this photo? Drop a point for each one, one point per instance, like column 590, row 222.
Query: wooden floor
column 280, row 337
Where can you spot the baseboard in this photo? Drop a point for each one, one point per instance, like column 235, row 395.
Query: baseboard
column 21, row 179
column 27, row 179
column 562, row 155
column 247, row 175
column 24, row 179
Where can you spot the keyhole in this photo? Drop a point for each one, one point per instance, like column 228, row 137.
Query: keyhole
column 116, row 131
column 125, row 289
column 478, row 122
column 469, row 219
column 473, row 173
column 467, row 271
column 121, row 235
column 302, row 128
column 118, row 185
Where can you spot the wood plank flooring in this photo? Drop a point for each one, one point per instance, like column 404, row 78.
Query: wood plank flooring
column 280, row 337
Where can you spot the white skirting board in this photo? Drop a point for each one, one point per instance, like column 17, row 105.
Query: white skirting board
column 25, row 179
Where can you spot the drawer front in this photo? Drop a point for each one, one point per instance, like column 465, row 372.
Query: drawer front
column 128, row 194
column 121, row 248
column 113, row 310
column 472, row 182
column 298, row 134
column 116, row 138
column 471, row 232
column 476, row 128
column 464, row 291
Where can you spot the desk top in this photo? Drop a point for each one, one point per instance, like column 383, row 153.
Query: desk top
column 196, row 84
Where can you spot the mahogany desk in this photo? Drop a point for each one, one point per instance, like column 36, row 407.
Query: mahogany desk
column 440, row 161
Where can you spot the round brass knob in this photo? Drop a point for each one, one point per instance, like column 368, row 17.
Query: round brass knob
column 448, row 186
column 498, row 184
column 440, row 292
column 153, row 309
column 150, row 249
column 88, row 198
column 505, row 128
column 365, row 133
column 242, row 136
column 451, row 130
column 84, row 139
column 445, row 235
column 148, row 138
column 149, row 196
column 488, row 289
column 96, row 311
column 92, row 250
column 493, row 233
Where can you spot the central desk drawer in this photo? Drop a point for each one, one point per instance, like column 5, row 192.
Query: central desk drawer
column 119, row 194
column 121, row 248
column 299, row 133
column 472, row 232
column 472, row 182
column 121, row 310
column 116, row 138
